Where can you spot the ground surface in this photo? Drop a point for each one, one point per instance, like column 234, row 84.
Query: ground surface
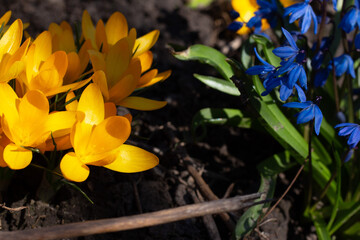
column 225, row 156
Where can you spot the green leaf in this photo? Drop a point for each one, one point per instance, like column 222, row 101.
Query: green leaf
column 321, row 230
column 353, row 231
column 268, row 169
column 221, row 116
column 349, row 209
column 209, row 56
column 219, row 84
column 199, row 3
column 338, row 191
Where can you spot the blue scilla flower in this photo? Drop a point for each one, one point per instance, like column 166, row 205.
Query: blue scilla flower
column 351, row 131
column 351, row 18
column 290, row 52
column 286, row 92
column 310, row 111
column 344, row 63
column 235, row 25
column 304, row 12
column 321, row 76
column 264, row 71
column 266, row 10
column 357, row 41
column 318, row 59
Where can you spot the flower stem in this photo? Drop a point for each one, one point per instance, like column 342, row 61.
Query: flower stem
column 310, row 164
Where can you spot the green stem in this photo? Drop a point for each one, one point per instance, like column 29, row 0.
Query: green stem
column 310, row 164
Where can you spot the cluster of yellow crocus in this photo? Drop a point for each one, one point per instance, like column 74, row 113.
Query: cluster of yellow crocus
column 61, row 94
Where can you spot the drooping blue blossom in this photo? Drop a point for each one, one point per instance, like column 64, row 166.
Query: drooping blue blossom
column 321, row 76
column 318, row 59
column 235, row 25
column 310, row 111
column 344, row 63
column 264, row 71
column 266, row 10
column 351, row 18
column 351, row 131
column 304, row 12
column 357, row 41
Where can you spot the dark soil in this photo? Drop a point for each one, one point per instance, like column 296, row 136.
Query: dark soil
column 226, row 155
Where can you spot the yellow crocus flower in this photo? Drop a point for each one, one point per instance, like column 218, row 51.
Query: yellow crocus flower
column 122, row 46
column 63, row 40
column 97, row 139
column 45, row 70
column 27, row 123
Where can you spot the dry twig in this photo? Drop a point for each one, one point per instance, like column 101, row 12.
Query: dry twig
column 208, row 193
column 2, row 205
column 133, row 222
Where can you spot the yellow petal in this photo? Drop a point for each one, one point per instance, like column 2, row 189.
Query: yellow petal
column 88, row 28
column 5, row 18
column 91, row 103
column 101, row 40
column 65, row 88
column 73, row 105
column 8, row 102
column 117, row 61
column 33, row 113
column 159, row 77
column 43, row 48
column 97, row 60
column 109, row 135
column 122, row 89
column 46, row 80
column 11, row 40
column 146, row 60
column 17, row 157
column 73, row 169
column 99, row 79
column 60, row 123
column 79, row 137
column 74, row 68
column 62, row 143
column 13, row 72
column 147, row 77
column 116, row 28
column 110, row 109
column 247, row 9
column 140, row 103
column 145, row 42
column 84, row 55
column 58, row 60
column 132, row 159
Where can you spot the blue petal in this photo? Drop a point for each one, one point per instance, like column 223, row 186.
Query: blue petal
column 285, row 52
column 306, row 21
column 346, row 130
column 345, row 125
column 354, row 137
column 314, row 19
column 303, row 78
column 260, row 59
column 298, row 104
column 318, row 119
column 321, row 77
column 285, row 92
column 234, row 26
column 294, row 75
column 357, row 41
column 301, row 93
column 306, row 115
column 289, row 38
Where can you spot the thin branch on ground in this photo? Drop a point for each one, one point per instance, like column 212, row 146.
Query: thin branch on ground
column 208, row 193
column 2, row 205
column 136, row 221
